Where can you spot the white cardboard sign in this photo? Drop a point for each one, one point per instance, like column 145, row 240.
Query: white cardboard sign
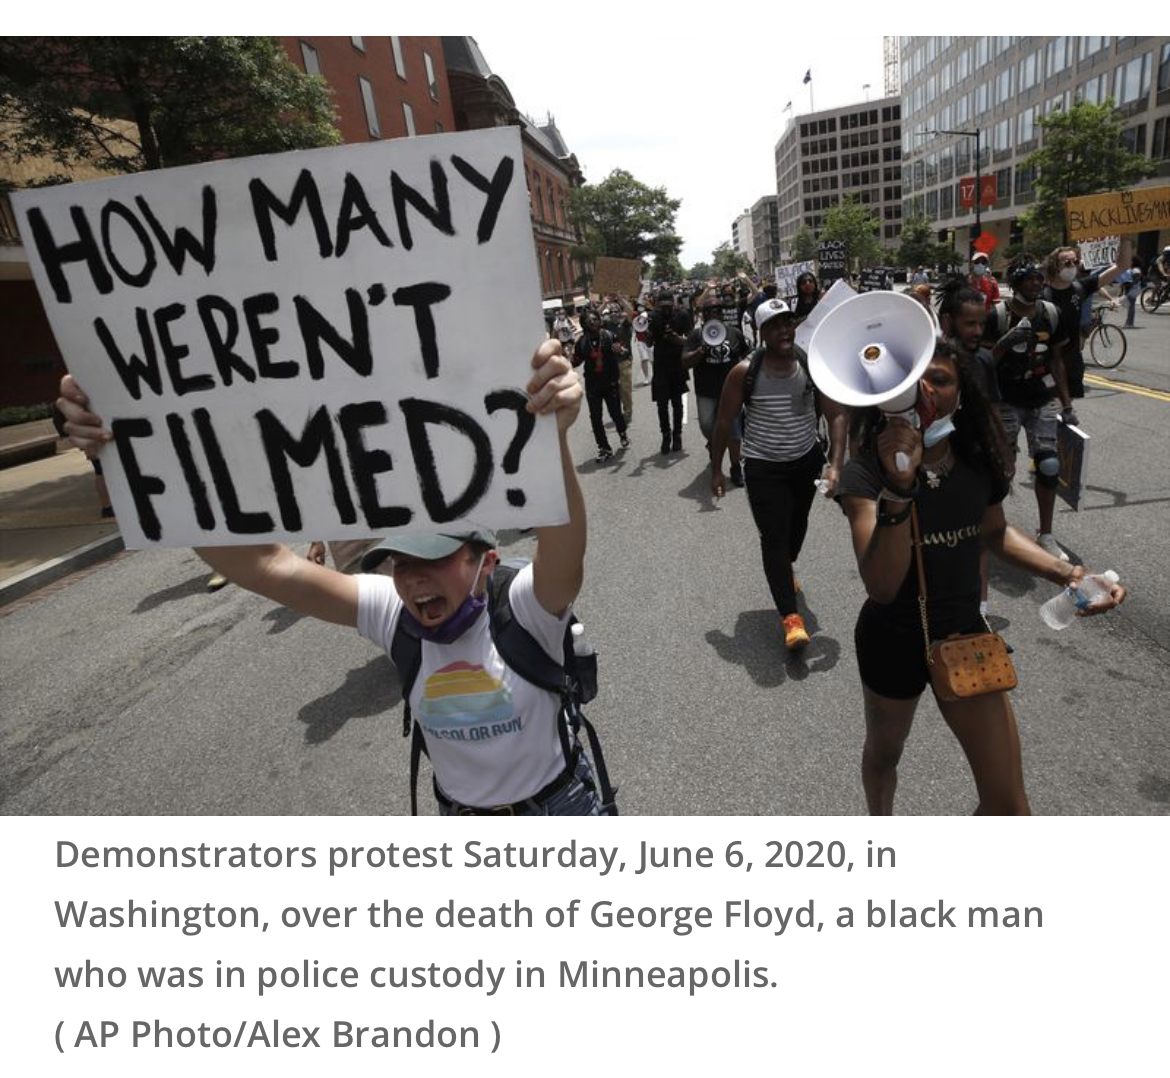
column 326, row 344
column 1099, row 254
column 786, row 276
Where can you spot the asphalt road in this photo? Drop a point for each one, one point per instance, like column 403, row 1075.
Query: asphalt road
column 134, row 691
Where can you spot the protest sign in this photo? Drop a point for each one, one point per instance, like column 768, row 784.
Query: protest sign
column 875, row 280
column 617, row 276
column 1118, row 213
column 786, row 277
column 325, row 344
column 1072, row 447
column 832, row 260
column 1099, row 254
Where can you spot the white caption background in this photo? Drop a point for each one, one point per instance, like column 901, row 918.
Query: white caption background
column 1078, row 996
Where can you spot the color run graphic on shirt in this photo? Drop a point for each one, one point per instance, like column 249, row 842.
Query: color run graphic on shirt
column 462, row 702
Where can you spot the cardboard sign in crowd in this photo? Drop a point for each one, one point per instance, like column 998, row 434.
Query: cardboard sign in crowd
column 325, row 344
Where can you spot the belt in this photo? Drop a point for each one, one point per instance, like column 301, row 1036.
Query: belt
column 534, row 802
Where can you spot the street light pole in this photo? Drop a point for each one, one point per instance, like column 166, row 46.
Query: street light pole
column 977, row 135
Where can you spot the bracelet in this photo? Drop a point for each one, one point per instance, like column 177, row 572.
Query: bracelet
column 890, row 520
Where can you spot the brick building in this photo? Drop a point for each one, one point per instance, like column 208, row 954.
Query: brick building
column 482, row 99
column 383, row 87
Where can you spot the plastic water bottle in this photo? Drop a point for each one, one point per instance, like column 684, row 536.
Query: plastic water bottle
column 1059, row 611
column 585, row 660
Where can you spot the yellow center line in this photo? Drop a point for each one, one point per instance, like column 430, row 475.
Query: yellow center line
column 1125, row 387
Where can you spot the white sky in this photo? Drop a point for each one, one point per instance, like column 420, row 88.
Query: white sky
column 698, row 113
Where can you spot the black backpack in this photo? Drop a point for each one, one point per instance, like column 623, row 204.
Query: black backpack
column 755, row 360
column 574, row 680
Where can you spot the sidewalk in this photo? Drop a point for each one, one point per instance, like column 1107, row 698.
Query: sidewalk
column 50, row 523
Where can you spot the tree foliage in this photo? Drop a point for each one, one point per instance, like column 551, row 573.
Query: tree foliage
column 1082, row 154
column 856, row 224
column 918, row 243
column 667, row 267
column 804, row 245
column 727, row 261
column 701, row 271
column 623, row 218
column 128, row 104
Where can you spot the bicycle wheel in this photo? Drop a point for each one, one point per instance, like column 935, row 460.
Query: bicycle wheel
column 1107, row 345
column 1149, row 299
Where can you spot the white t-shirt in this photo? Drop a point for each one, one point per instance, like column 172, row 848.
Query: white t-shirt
column 492, row 736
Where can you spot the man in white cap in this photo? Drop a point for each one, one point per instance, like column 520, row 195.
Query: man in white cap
column 983, row 280
column 783, row 458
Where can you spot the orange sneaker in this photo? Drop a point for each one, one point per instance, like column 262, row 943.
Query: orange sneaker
column 795, row 634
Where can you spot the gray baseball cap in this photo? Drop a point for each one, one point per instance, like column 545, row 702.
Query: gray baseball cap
column 427, row 546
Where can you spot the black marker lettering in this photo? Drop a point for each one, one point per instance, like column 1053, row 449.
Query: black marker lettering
column 265, row 204
column 495, row 189
column 280, row 447
column 134, row 370
column 315, row 329
column 83, row 249
column 367, row 464
column 419, row 415
column 439, row 214
column 237, row 520
column 149, row 258
column 173, row 354
column 204, row 516
column 183, row 244
column 142, row 487
column 422, row 297
column 222, row 340
column 264, row 336
column 353, row 197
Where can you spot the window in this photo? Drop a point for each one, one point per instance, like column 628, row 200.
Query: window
column 1001, row 136
column 1160, row 148
column 311, row 61
column 963, row 109
column 982, row 52
column 432, row 85
column 1024, row 179
column 1057, row 55
column 946, row 205
column 1094, row 91
column 358, row 44
column 1026, row 126
column 1003, row 86
column 1131, row 82
column 932, row 204
column 399, row 64
column 982, row 99
column 1164, row 75
column 1087, row 46
column 1134, row 139
column 408, row 116
column 1003, row 183
column 1029, row 71
column 371, row 112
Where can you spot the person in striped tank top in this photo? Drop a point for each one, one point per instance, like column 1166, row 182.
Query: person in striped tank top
column 782, row 453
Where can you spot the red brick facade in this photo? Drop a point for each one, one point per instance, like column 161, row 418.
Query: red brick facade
column 343, row 64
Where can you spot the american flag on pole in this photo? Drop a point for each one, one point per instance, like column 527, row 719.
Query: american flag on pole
column 808, row 75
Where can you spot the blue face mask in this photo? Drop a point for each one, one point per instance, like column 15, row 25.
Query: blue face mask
column 939, row 429
column 456, row 625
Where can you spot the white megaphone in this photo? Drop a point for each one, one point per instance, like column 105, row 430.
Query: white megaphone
column 641, row 323
column 714, row 333
column 872, row 350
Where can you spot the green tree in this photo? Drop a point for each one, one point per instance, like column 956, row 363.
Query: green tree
column 804, row 245
column 918, row 244
column 701, row 271
column 127, row 104
column 667, row 267
column 623, row 218
column 727, row 261
column 856, row 224
column 1082, row 154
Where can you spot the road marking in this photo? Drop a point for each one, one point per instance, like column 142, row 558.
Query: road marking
column 1125, row 387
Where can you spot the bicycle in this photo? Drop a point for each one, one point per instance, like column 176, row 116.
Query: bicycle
column 1154, row 295
column 1107, row 343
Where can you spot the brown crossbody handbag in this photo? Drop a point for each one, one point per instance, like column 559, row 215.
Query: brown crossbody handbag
column 964, row 664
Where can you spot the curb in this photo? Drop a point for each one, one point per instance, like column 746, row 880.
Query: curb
column 39, row 575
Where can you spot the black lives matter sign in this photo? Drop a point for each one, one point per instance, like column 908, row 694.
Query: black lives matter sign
column 321, row 344
column 832, row 260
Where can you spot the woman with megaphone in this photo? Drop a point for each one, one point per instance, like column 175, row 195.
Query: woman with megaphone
column 923, row 501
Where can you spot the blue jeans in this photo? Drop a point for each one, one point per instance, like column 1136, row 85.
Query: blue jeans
column 576, row 798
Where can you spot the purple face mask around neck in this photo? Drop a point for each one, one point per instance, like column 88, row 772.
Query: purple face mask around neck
column 456, row 625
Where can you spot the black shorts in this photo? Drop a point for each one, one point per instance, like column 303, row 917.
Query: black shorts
column 891, row 652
